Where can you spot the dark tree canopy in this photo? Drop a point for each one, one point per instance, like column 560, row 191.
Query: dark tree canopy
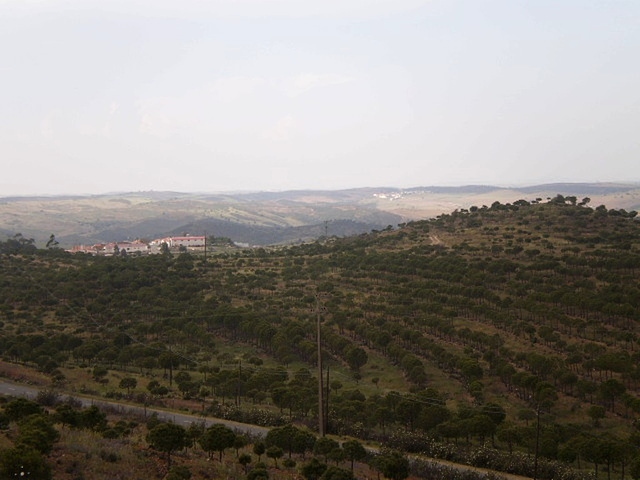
column 167, row 437
column 217, row 438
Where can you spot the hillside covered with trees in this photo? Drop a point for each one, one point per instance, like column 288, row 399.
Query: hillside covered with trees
column 502, row 336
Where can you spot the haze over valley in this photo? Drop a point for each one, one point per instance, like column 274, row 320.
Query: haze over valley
column 319, row 239
column 266, row 218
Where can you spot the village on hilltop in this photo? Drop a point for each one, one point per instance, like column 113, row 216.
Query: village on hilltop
column 139, row 247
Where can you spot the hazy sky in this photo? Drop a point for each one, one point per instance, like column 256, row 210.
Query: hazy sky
column 215, row 95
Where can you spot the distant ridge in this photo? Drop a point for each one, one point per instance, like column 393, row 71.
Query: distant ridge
column 260, row 235
column 461, row 189
column 264, row 218
column 565, row 187
column 580, row 188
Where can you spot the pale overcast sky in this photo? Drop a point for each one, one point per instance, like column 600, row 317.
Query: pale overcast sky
column 218, row 95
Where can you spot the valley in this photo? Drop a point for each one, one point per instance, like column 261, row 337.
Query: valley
column 501, row 335
column 266, row 218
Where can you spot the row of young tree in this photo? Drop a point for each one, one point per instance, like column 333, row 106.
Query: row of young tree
column 517, row 275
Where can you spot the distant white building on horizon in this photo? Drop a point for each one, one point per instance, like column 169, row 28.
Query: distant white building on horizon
column 129, row 247
column 138, row 247
column 177, row 242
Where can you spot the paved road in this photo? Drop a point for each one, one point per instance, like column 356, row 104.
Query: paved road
column 14, row 389
column 18, row 390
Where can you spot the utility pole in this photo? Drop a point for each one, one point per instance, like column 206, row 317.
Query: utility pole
column 170, row 367
column 535, row 462
column 205, row 246
column 238, row 383
column 321, row 424
column 326, row 404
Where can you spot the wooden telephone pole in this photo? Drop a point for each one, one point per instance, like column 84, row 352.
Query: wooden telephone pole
column 321, row 419
column 205, row 246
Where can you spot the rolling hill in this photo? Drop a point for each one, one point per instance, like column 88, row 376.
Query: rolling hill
column 263, row 218
column 481, row 323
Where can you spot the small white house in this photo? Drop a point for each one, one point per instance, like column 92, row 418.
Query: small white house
column 129, row 247
column 176, row 242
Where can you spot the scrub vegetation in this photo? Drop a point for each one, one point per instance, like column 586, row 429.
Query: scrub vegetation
column 502, row 336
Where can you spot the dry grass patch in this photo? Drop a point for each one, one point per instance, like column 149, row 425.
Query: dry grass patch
column 82, row 454
column 22, row 374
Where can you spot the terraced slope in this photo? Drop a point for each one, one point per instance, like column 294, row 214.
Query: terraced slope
column 467, row 326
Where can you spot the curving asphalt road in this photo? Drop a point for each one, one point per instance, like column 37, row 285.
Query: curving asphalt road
column 14, row 389
column 18, row 390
